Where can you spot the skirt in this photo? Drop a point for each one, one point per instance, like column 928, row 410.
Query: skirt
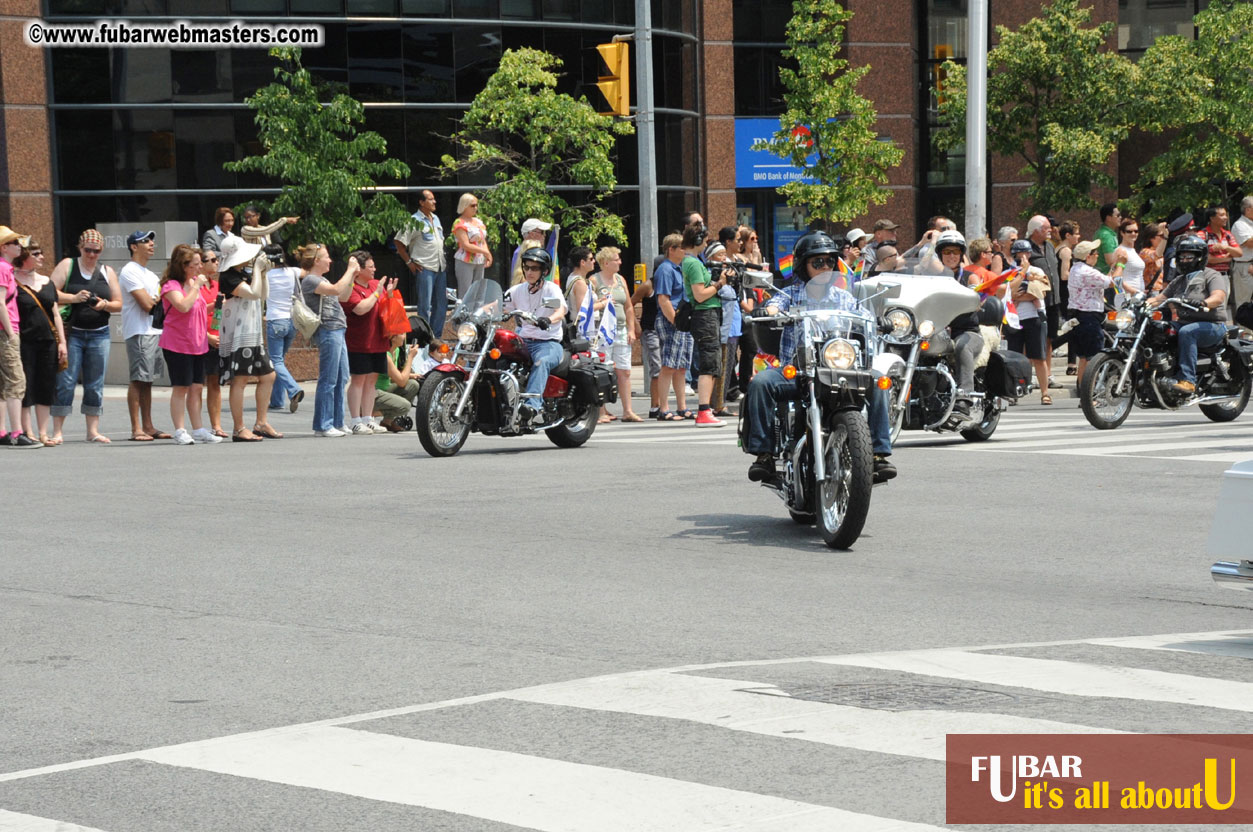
column 245, row 361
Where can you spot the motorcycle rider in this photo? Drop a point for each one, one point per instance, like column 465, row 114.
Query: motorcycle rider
column 540, row 298
column 815, row 258
column 1199, row 286
column 950, row 248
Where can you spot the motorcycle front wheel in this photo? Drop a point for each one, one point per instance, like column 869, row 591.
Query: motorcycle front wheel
column 1102, row 406
column 577, row 431
column 441, row 433
column 896, row 410
column 843, row 498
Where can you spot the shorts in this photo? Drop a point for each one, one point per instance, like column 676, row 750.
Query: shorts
column 365, row 363
column 706, row 330
column 1087, row 338
column 186, row 370
column 650, row 352
column 620, row 352
column 143, row 356
column 12, row 376
column 1029, row 340
column 676, row 347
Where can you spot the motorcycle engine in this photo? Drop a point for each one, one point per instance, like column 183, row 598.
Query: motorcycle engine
column 511, row 390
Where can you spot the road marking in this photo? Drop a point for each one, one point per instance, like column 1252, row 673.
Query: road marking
column 1239, row 645
column 1111, row 439
column 754, row 708
column 518, row 789
column 1070, row 678
column 17, row 822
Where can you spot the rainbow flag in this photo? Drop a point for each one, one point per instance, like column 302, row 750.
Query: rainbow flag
column 845, row 274
column 785, row 266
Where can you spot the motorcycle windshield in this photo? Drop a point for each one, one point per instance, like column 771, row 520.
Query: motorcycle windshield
column 483, row 301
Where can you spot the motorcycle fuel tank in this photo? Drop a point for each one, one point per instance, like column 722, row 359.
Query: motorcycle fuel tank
column 511, row 345
column 935, row 299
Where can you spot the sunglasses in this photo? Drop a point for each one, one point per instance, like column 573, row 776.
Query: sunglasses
column 92, row 250
column 823, row 262
column 1132, row 231
column 529, row 268
column 210, row 260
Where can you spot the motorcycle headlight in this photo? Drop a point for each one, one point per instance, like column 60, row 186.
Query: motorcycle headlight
column 1124, row 318
column 838, row 354
column 926, row 329
column 902, row 323
column 467, row 334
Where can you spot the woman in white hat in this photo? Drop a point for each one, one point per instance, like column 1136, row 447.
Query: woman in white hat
column 242, row 354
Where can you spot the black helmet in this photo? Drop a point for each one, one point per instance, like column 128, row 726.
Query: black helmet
column 813, row 244
column 538, row 255
column 1191, row 254
column 991, row 311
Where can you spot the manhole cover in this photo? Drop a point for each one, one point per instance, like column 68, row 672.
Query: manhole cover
column 889, row 697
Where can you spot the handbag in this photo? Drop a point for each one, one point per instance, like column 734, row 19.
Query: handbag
column 392, row 315
column 303, row 318
column 158, row 314
column 683, row 316
column 61, row 363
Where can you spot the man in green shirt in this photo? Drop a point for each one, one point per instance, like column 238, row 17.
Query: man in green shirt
column 1107, row 236
column 701, row 290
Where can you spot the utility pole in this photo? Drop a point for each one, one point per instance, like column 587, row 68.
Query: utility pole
column 644, row 130
column 977, row 121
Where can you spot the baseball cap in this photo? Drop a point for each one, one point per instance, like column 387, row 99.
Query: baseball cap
column 1021, row 246
column 535, row 225
column 1084, row 249
column 8, row 235
column 885, row 225
column 140, row 237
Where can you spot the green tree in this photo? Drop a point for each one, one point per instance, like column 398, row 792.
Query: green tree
column 1058, row 98
column 828, row 128
column 328, row 168
column 529, row 136
column 1205, row 93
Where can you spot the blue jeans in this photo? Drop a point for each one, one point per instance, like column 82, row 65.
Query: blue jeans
column 433, row 299
column 770, row 387
column 278, row 339
column 1193, row 335
column 328, row 403
column 89, row 353
column 544, row 356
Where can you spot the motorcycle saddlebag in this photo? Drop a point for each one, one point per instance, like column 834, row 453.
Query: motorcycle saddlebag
column 593, row 383
column 1008, row 374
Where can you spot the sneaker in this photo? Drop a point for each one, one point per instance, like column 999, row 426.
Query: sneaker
column 884, row 470
column 762, row 469
column 6, row 440
column 1184, row 386
column 1068, row 326
column 329, row 432
column 707, row 419
column 1054, row 384
column 377, row 427
column 182, row 437
column 295, row 401
column 206, row 436
column 21, row 440
column 733, row 395
column 363, row 429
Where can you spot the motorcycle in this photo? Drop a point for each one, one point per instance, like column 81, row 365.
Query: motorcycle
column 823, row 450
column 481, row 388
column 919, row 356
column 1140, row 367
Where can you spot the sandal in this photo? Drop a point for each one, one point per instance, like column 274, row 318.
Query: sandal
column 668, row 416
column 685, row 414
column 161, row 435
column 603, row 420
column 1071, row 369
column 100, row 439
column 654, row 412
column 266, row 431
column 221, row 433
column 140, row 437
column 239, row 436
column 632, row 417
column 1045, row 398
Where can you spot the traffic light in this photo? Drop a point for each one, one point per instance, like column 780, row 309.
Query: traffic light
column 616, row 86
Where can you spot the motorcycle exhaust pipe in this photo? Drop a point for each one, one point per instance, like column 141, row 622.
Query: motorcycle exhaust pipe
column 1233, row 575
column 1214, row 400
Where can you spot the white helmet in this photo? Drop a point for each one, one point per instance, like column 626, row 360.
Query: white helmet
column 950, row 238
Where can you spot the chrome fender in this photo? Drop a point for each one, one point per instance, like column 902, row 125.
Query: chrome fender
column 888, row 364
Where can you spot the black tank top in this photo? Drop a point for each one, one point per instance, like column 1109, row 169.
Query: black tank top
column 648, row 312
column 82, row 316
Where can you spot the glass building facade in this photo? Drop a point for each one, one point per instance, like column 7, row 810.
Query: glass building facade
column 140, row 135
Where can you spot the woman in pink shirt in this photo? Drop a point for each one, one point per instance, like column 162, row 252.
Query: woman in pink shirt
column 185, row 342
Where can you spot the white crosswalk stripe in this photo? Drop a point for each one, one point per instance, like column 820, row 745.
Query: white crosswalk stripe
column 478, row 777
column 1184, row 436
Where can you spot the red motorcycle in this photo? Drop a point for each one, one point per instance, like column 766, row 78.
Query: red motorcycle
column 481, row 387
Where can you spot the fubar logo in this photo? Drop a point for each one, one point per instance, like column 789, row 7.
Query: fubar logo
column 1019, row 768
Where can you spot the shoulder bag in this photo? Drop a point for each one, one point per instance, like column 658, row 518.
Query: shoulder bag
column 303, row 318
column 64, row 362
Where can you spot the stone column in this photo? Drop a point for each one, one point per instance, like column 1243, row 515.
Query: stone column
column 719, row 93
column 25, row 149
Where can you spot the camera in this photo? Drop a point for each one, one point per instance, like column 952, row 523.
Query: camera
column 734, row 273
column 91, row 299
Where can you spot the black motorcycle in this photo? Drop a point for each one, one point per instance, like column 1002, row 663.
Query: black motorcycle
column 1140, row 368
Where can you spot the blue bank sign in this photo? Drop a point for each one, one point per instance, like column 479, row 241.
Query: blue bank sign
column 760, row 168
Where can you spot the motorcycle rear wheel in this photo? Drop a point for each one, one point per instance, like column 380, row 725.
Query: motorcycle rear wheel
column 1103, row 409
column 440, row 433
column 576, row 432
column 843, row 498
column 983, row 431
column 1240, row 380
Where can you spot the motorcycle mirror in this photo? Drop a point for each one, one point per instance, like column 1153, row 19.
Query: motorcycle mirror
column 891, row 290
column 754, row 279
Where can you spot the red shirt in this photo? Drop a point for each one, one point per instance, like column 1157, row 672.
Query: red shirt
column 365, row 332
column 1217, row 239
column 209, row 292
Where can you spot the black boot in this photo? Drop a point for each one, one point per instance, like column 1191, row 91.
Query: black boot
column 762, row 470
column 884, row 470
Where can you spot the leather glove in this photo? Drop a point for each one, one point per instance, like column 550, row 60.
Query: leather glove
column 543, row 323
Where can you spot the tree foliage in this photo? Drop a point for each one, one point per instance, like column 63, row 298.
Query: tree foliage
column 828, row 128
column 529, row 137
column 1058, row 98
column 1204, row 91
column 328, row 168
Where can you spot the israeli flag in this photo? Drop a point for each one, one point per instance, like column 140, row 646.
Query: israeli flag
column 608, row 325
column 587, row 314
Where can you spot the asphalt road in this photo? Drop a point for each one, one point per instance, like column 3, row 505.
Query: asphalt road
column 440, row 614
